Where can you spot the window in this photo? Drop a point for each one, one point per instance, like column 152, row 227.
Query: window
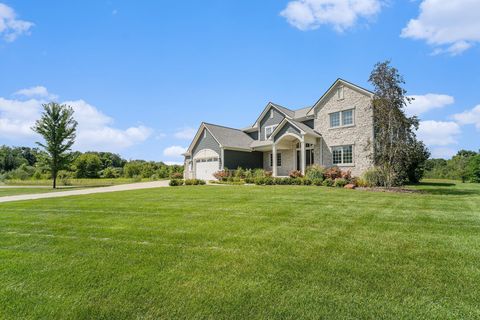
column 334, row 119
column 279, row 159
column 341, row 118
column 342, row 155
column 347, row 117
column 340, row 93
column 269, row 130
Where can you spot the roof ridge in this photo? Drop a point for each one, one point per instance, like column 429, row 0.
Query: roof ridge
column 218, row 125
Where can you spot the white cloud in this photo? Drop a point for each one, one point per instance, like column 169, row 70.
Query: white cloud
column 424, row 103
column 174, row 151
column 95, row 129
column 38, row 92
column 451, row 26
column 442, row 152
column 171, row 163
column 10, row 26
column 438, row 133
column 469, row 117
column 186, row 133
column 340, row 14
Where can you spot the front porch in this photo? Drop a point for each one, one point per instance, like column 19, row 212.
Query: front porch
column 293, row 152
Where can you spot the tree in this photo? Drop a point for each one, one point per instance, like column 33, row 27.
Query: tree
column 473, row 168
column 416, row 161
column 87, row 165
column 58, row 128
column 394, row 132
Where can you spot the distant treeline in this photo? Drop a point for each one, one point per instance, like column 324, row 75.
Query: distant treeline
column 30, row 163
column 465, row 166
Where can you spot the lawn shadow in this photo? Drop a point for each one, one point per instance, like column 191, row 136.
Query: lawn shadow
column 445, row 188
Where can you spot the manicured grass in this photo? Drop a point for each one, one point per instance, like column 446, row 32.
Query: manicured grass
column 244, row 252
column 76, row 182
column 25, row 190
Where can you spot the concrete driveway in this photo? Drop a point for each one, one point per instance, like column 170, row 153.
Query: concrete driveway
column 121, row 187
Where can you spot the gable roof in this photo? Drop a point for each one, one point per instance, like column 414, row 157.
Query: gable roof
column 226, row 137
column 230, row 137
column 304, row 129
column 346, row 83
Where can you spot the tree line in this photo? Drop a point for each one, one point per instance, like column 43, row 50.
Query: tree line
column 465, row 166
column 32, row 163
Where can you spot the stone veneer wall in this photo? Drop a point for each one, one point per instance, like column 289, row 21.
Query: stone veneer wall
column 360, row 135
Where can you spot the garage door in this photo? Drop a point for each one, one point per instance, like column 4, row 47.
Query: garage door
column 205, row 168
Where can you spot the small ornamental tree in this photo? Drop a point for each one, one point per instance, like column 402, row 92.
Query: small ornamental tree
column 58, row 128
column 395, row 138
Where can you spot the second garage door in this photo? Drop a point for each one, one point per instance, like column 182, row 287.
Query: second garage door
column 205, row 168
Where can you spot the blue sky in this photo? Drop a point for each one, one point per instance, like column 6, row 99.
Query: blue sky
column 142, row 75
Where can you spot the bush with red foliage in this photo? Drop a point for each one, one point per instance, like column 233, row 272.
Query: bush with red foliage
column 222, row 175
column 295, row 174
column 333, row 173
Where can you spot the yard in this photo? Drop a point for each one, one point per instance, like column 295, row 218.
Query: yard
column 244, row 252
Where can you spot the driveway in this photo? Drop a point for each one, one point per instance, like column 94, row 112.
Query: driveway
column 121, row 187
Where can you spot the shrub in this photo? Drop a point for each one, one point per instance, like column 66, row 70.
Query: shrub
column 278, row 181
column 259, row 181
column 317, row 182
column 315, row 172
column 64, row 177
column 306, row 182
column 194, row 182
column 176, row 182
column 340, row 182
column 250, row 180
column 333, row 173
column 374, row 178
column 347, row 175
column 295, row 174
column 176, row 176
column 222, row 175
column 328, row 182
column 360, row 182
column 239, row 173
column 268, row 181
column 111, row 172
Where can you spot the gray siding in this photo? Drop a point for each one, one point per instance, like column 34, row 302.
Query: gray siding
column 253, row 135
column 208, row 142
column 309, row 123
column 287, row 128
column 247, row 160
column 267, row 121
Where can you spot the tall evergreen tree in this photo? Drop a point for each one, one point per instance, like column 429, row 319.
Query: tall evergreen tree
column 58, row 128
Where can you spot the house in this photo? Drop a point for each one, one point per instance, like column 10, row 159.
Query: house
column 336, row 131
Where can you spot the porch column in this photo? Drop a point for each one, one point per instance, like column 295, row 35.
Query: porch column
column 302, row 155
column 274, row 160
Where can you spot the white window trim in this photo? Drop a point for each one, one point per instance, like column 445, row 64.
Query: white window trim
column 341, row 119
column 341, row 148
column 271, row 113
column 270, row 158
column 204, row 133
column 270, row 127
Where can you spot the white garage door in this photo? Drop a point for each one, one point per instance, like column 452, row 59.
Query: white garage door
column 205, row 168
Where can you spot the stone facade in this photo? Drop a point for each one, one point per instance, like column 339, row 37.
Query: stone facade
column 288, row 162
column 359, row 135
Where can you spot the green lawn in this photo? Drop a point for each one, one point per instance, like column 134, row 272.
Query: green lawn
column 244, row 252
column 26, row 190
column 100, row 182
